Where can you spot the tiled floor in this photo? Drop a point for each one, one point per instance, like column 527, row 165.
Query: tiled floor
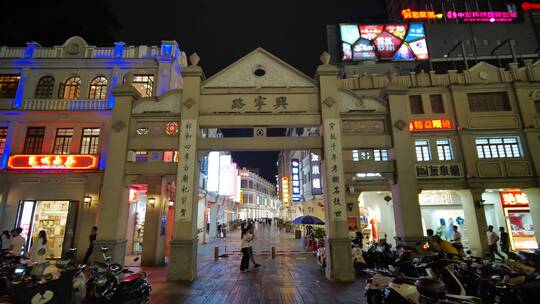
column 292, row 277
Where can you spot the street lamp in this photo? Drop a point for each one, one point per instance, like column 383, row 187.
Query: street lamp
column 152, row 202
column 87, row 199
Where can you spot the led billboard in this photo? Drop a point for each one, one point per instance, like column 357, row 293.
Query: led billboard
column 396, row 42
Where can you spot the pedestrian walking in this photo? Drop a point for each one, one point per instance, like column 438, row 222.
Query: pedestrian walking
column 251, row 230
column 505, row 241
column 218, row 230
column 91, row 238
column 5, row 238
column 39, row 249
column 17, row 242
column 492, row 239
column 456, row 241
column 245, row 244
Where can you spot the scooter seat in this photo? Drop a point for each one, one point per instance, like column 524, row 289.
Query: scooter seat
column 131, row 277
column 464, row 299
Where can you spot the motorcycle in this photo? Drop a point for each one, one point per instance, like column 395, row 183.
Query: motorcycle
column 394, row 287
column 111, row 283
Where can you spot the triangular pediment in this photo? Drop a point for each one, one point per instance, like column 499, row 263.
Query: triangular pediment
column 259, row 69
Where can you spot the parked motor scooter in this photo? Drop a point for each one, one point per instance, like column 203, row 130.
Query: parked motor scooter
column 111, row 283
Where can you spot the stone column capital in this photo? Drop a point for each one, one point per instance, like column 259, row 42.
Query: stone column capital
column 477, row 194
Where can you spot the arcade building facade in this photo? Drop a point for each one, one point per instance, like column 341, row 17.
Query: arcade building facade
column 402, row 150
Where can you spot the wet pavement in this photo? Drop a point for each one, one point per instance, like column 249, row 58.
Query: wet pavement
column 292, row 277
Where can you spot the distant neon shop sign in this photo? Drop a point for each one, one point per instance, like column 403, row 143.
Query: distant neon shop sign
column 526, row 6
column 408, row 14
column 430, row 125
column 490, row 17
column 295, row 164
column 53, row 162
column 285, row 190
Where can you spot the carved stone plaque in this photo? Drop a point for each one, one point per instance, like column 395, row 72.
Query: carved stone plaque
column 371, row 126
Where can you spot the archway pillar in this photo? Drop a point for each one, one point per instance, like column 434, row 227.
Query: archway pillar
column 475, row 220
column 113, row 207
column 153, row 249
column 183, row 258
column 403, row 185
column 339, row 264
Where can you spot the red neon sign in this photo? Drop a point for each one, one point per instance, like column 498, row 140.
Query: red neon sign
column 430, row 124
column 53, row 162
column 526, row 6
column 514, row 199
column 482, row 16
column 408, row 14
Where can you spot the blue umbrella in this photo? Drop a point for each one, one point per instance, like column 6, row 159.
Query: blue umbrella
column 307, row 220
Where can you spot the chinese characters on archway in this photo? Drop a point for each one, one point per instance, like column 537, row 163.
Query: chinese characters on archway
column 260, row 104
column 336, row 197
column 188, row 135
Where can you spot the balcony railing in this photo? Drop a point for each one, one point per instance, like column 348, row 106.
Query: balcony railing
column 65, row 105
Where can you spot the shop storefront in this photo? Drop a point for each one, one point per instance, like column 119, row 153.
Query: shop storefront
column 442, row 210
column 376, row 217
column 57, row 218
column 518, row 220
column 137, row 213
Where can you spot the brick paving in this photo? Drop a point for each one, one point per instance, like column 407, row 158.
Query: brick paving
column 292, row 277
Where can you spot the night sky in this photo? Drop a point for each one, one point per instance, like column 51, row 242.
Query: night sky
column 219, row 31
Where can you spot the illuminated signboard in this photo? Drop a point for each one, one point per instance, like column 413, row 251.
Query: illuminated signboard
column 213, row 172
column 526, row 6
column 482, row 16
column 316, row 184
column 430, row 124
column 295, row 169
column 397, row 42
column 514, row 199
column 285, row 190
column 53, row 162
column 225, row 173
column 408, row 14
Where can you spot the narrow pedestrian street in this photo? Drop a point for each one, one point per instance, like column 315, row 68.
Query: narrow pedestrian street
column 292, row 277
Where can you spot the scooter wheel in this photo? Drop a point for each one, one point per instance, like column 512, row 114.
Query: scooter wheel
column 374, row 297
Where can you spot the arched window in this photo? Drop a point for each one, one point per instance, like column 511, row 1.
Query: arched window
column 44, row 88
column 71, row 89
column 98, row 88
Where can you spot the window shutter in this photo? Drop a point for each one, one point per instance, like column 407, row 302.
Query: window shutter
column 61, row 89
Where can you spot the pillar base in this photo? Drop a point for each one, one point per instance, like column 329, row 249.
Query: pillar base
column 339, row 265
column 183, row 260
column 117, row 249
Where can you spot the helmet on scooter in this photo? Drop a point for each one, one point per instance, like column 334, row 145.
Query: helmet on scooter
column 431, row 288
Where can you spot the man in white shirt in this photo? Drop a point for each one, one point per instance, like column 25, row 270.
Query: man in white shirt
column 492, row 239
column 17, row 243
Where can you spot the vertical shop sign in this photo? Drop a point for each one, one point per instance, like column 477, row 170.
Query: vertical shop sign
column 295, row 169
column 316, row 184
column 334, row 170
column 285, row 189
column 186, row 170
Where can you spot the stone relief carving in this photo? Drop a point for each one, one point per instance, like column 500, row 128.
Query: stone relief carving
column 368, row 126
column 350, row 102
column 240, row 74
column 168, row 103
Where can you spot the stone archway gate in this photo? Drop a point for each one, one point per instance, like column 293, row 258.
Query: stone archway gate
column 237, row 97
